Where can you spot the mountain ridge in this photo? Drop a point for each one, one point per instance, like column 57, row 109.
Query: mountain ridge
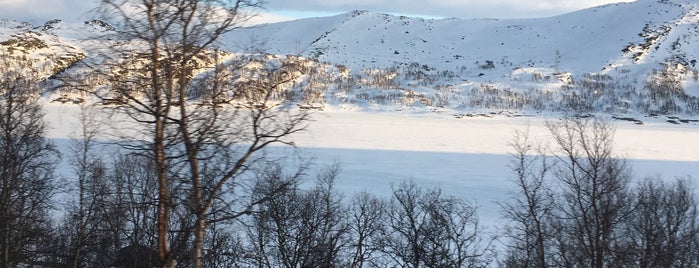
column 473, row 33
column 637, row 57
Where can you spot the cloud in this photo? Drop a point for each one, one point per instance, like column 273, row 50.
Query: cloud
column 38, row 11
column 446, row 8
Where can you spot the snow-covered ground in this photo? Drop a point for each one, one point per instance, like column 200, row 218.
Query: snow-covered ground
column 467, row 157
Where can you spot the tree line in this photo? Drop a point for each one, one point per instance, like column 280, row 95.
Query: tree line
column 578, row 205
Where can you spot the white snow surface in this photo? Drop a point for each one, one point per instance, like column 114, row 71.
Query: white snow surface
column 466, row 157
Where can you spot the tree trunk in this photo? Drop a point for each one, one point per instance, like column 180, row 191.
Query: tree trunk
column 166, row 260
column 199, row 240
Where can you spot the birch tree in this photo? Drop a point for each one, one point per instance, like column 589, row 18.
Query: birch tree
column 202, row 152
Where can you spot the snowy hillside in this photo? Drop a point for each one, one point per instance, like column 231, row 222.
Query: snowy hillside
column 614, row 47
column 591, row 40
column 635, row 58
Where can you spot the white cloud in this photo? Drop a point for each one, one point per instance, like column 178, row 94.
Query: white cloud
column 447, row 8
column 41, row 10
column 38, row 11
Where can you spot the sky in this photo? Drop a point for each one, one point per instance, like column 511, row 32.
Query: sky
column 38, row 11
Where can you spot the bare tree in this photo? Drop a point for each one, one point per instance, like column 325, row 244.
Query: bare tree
column 531, row 205
column 330, row 215
column 203, row 151
column 428, row 229
column 27, row 161
column 134, row 215
column 594, row 202
column 454, row 237
column 662, row 231
column 404, row 237
column 113, row 213
column 225, row 246
column 265, row 249
column 300, row 228
column 594, row 218
column 92, row 189
column 366, row 223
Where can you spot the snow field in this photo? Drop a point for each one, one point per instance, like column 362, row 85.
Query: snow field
column 466, row 157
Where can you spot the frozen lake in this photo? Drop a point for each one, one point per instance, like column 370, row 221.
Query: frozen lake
column 466, row 157
column 469, row 157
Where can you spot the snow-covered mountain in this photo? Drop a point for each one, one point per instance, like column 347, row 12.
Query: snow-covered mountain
column 631, row 58
column 588, row 41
